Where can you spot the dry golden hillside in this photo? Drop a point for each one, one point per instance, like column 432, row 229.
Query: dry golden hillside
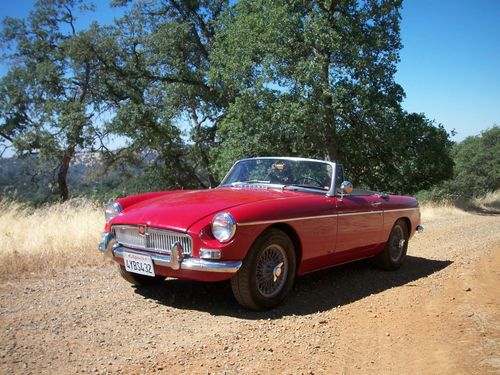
column 49, row 238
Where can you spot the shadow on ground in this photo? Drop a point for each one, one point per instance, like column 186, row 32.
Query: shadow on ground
column 320, row 291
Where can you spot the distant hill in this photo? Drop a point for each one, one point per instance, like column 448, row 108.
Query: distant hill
column 30, row 179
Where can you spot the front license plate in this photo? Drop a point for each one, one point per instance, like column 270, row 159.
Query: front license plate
column 141, row 264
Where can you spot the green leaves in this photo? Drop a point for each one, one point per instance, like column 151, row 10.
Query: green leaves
column 317, row 80
column 476, row 171
column 52, row 112
column 477, row 163
column 194, row 85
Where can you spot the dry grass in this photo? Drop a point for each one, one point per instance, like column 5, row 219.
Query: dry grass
column 490, row 202
column 45, row 239
column 431, row 211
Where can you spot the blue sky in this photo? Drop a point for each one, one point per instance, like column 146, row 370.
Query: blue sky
column 450, row 62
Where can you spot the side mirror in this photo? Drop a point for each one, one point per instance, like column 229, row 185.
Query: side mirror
column 345, row 188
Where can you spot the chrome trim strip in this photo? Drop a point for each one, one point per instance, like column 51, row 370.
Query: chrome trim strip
column 403, row 209
column 205, row 265
column 285, row 220
column 322, row 217
column 192, row 264
column 361, row 213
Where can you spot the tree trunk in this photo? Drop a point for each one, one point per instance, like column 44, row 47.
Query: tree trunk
column 329, row 121
column 74, row 139
column 67, row 156
column 332, row 146
column 205, row 161
column 63, row 174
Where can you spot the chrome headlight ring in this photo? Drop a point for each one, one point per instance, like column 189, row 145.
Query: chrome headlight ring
column 111, row 210
column 223, row 227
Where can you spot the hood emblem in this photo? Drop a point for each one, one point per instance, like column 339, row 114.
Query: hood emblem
column 143, row 229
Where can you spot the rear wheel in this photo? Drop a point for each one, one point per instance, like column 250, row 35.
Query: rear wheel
column 395, row 250
column 267, row 273
column 139, row 280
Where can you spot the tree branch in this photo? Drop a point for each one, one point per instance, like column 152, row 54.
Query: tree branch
column 86, row 82
column 6, row 136
column 71, row 19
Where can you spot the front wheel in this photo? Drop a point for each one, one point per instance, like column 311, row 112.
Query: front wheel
column 394, row 254
column 139, row 280
column 267, row 273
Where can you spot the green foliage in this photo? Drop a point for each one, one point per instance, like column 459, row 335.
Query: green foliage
column 476, row 171
column 318, row 81
column 50, row 111
column 194, row 85
column 477, row 163
column 156, row 61
column 402, row 154
column 254, row 126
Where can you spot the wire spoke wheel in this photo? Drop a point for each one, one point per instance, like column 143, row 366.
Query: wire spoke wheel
column 397, row 243
column 271, row 270
column 394, row 253
column 267, row 273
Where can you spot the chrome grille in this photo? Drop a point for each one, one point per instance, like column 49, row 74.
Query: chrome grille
column 157, row 240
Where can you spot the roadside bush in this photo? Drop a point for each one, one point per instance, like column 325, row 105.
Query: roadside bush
column 476, row 172
column 477, row 164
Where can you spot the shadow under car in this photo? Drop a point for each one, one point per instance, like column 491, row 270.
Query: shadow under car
column 312, row 293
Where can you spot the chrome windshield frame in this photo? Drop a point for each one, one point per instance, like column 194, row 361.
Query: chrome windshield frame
column 333, row 165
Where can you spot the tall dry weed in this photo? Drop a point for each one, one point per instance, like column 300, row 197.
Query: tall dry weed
column 49, row 238
column 490, row 202
column 431, row 211
column 487, row 204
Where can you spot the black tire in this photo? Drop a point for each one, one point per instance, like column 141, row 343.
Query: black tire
column 139, row 280
column 267, row 273
column 394, row 254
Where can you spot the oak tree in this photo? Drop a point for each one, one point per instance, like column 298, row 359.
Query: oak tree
column 316, row 78
column 49, row 99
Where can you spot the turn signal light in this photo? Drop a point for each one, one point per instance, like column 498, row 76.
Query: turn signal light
column 209, row 254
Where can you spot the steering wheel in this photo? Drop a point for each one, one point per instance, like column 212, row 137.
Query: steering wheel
column 305, row 178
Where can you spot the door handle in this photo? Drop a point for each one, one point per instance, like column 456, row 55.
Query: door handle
column 375, row 204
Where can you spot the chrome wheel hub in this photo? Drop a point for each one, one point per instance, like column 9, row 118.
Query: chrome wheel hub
column 397, row 244
column 277, row 271
column 271, row 270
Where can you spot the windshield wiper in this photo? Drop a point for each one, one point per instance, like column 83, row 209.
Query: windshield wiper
column 250, row 182
column 295, row 186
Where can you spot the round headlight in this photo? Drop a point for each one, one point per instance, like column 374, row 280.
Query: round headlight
column 111, row 210
column 223, row 227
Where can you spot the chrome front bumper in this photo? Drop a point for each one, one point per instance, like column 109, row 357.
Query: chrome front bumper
column 176, row 260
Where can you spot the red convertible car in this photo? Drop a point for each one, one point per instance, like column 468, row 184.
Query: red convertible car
column 271, row 218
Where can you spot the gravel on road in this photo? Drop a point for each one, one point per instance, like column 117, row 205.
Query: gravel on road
column 440, row 313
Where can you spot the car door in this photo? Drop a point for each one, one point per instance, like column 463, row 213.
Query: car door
column 360, row 224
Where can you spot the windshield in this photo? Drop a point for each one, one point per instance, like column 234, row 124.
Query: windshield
column 275, row 171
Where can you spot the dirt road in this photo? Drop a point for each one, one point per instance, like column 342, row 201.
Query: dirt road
column 440, row 313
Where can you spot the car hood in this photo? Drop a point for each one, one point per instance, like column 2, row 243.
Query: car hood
column 179, row 210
